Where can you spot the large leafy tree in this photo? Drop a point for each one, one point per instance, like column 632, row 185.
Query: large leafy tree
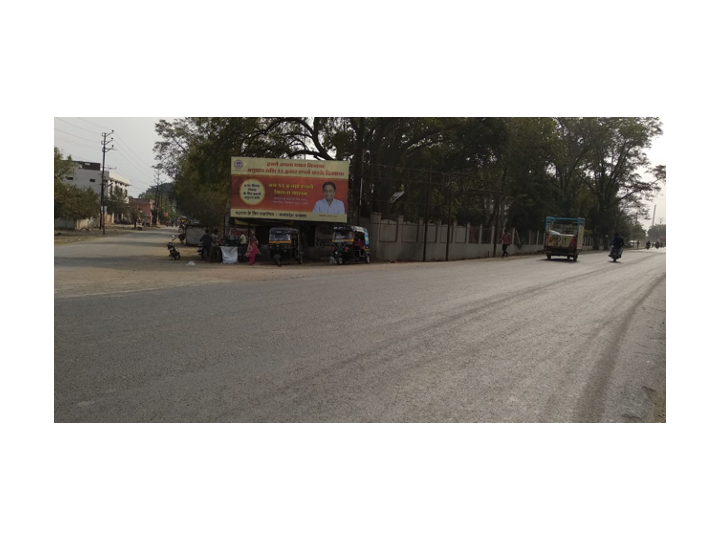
column 613, row 171
column 482, row 168
column 117, row 201
column 71, row 202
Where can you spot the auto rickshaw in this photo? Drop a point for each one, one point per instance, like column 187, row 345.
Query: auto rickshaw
column 284, row 243
column 350, row 243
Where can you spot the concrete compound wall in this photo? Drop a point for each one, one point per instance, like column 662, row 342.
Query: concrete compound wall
column 77, row 225
column 398, row 240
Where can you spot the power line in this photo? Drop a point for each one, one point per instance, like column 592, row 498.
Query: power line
column 133, row 153
column 119, row 138
column 78, row 127
column 93, row 123
column 140, row 165
column 138, row 170
column 73, row 135
column 75, row 143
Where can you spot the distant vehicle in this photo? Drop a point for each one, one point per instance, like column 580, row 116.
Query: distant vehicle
column 564, row 236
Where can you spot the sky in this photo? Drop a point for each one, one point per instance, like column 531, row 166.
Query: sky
column 133, row 156
column 133, row 140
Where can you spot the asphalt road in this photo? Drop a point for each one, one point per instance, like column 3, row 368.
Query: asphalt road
column 517, row 340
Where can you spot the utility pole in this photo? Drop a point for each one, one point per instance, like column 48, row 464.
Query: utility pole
column 447, row 240
column 427, row 212
column 102, row 179
column 157, row 197
column 653, row 219
column 362, row 161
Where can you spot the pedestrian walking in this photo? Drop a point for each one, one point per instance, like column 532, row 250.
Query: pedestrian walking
column 506, row 239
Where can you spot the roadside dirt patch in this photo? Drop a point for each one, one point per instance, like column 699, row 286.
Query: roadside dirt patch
column 63, row 236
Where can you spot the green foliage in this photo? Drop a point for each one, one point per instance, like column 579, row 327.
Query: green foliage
column 117, row 201
column 63, row 167
column 74, row 203
column 469, row 169
column 71, row 202
column 656, row 232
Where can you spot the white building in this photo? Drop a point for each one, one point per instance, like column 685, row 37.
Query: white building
column 87, row 175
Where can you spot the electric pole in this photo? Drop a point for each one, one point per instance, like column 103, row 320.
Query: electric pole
column 102, row 179
column 157, row 197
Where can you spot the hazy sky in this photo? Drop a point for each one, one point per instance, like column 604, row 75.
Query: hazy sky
column 134, row 139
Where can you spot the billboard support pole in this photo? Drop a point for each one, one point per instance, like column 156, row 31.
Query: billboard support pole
column 362, row 162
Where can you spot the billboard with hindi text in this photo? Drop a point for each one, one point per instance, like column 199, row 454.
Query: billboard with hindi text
column 289, row 189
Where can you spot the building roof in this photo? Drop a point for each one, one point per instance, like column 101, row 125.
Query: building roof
column 88, row 165
column 115, row 177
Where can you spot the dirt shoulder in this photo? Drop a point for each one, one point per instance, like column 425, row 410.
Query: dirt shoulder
column 63, row 236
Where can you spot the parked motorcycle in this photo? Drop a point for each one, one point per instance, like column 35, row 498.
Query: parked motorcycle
column 172, row 252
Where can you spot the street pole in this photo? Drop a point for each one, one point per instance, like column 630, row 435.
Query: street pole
column 102, row 180
column 427, row 211
column 447, row 242
column 157, row 197
column 362, row 162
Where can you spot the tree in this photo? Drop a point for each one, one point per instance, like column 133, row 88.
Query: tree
column 656, row 232
column 117, row 201
column 471, row 169
column 71, row 202
column 63, row 166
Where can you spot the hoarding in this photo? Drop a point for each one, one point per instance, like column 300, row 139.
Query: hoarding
column 292, row 189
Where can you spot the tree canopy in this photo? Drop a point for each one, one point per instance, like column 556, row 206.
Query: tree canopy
column 477, row 170
column 72, row 202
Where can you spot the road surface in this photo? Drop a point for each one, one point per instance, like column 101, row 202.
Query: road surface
column 141, row 338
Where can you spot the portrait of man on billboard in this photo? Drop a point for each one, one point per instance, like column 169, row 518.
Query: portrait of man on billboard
column 329, row 205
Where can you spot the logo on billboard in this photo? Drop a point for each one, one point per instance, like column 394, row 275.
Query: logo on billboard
column 252, row 192
column 238, row 164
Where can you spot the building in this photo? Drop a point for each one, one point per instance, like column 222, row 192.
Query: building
column 88, row 175
column 146, row 206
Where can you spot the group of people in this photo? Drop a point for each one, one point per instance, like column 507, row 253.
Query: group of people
column 248, row 246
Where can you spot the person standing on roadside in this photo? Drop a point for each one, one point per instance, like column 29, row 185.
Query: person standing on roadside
column 243, row 245
column 252, row 249
column 206, row 241
column 506, row 239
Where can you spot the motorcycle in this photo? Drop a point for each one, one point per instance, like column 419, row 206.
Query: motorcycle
column 647, row 245
column 615, row 253
column 174, row 253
